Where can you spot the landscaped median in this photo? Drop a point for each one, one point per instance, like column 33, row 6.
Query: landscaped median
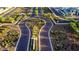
column 36, row 11
column 35, row 25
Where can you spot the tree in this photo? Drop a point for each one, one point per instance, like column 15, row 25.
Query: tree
column 2, row 19
column 11, row 19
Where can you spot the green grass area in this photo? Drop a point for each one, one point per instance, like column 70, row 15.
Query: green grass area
column 47, row 15
column 36, row 11
column 75, row 26
column 14, row 16
column 7, row 19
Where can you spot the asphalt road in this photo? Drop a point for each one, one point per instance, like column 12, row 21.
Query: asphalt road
column 45, row 41
column 53, row 10
column 24, row 40
column 33, row 12
column 39, row 11
column 44, row 34
column 58, row 14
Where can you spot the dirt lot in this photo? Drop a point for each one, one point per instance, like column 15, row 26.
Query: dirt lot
column 64, row 39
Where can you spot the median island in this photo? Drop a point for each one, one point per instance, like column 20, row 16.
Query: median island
column 35, row 25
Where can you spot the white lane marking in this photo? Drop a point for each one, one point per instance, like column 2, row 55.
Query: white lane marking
column 49, row 36
column 32, row 11
column 19, row 36
column 8, row 11
column 56, row 15
column 29, row 37
column 18, row 39
column 42, row 10
column 39, row 35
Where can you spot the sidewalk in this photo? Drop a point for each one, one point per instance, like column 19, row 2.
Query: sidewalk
column 4, row 10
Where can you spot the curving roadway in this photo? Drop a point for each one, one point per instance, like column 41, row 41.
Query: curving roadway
column 44, row 34
column 24, row 40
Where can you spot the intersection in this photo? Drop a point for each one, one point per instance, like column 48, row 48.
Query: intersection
column 36, row 26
